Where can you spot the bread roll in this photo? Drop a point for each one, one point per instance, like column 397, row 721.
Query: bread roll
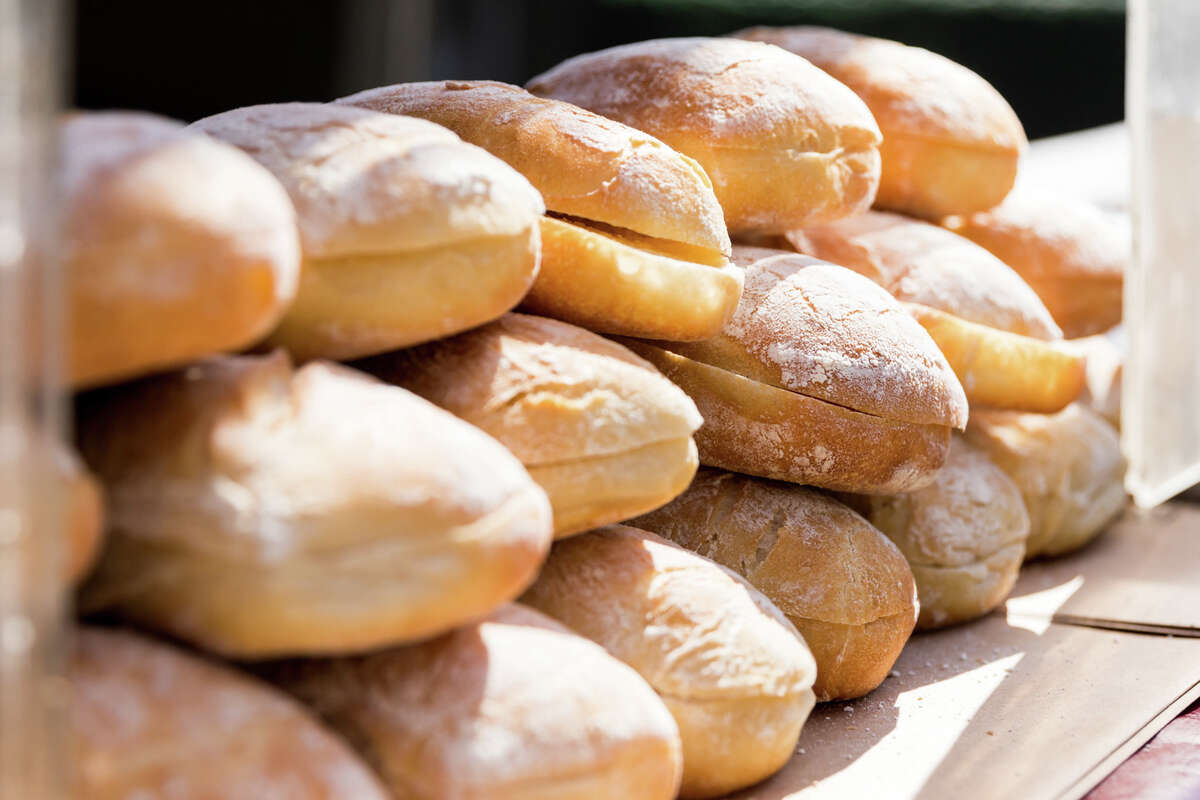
column 841, row 582
column 174, row 246
column 83, row 502
column 599, row 429
column 963, row 535
column 1105, row 355
column 993, row 329
column 950, row 141
column 819, row 378
column 408, row 233
column 1068, row 467
column 733, row 672
column 511, row 708
column 597, row 170
column 784, row 144
column 1071, row 253
column 151, row 721
column 257, row 510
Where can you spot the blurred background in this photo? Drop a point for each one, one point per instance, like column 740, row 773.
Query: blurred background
column 1060, row 63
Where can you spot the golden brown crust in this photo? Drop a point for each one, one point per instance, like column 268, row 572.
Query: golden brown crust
column 84, row 504
column 510, row 708
column 149, row 720
column 735, row 674
column 258, row 510
column 950, row 141
column 174, row 246
column 841, row 582
column 784, row 144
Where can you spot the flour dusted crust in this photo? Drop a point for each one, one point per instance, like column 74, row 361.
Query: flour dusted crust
column 951, row 142
column 735, row 674
column 259, row 510
column 784, row 144
column 148, row 720
column 842, row 583
column 508, row 708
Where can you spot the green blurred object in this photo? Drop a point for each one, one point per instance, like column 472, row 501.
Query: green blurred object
column 856, row 7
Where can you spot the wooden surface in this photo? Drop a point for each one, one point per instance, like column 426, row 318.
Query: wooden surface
column 1167, row 768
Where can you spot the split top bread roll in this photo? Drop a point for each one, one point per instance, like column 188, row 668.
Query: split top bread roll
column 151, row 721
column 174, row 246
column 733, row 672
column 951, row 142
column 511, row 708
column 963, row 535
column 784, row 144
column 598, row 428
column 841, row 582
column 258, row 510
column 1068, row 467
column 644, row 252
column 1071, row 253
column 408, row 233
column 819, row 378
column 993, row 329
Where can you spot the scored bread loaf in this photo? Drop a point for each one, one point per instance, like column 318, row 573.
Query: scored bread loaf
column 784, row 144
column 514, row 707
column 258, row 510
column 733, row 672
column 842, row 583
column 407, row 232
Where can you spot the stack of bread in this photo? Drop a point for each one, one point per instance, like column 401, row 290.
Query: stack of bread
column 369, row 386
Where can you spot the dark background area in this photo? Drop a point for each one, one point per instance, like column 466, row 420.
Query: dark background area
column 1059, row 62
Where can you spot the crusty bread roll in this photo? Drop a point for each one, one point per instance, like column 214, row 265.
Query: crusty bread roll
column 784, row 144
column 1068, row 467
column 841, row 582
column 83, row 502
column 950, row 141
column 963, row 535
column 151, row 721
column 594, row 169
column 408, row 233
column 256, row 510
column 819, row 378
column 174, row 246
column 733, row 672
column 993, row 329
column 598, row 428
column 511, row 708
column 1071, row 253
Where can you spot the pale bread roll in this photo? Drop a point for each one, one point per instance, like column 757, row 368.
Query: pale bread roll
column 151, row 721
column 514, row 707
column 951, row 142
column 819, row 378
column 598, row 428
column 173, row 246
column 1068, row 467
column 733, row 672
column 407, row 232
column 841, row 582
column 1105, row 354
column 258, row 510
column 963, row 535
column 784, row 144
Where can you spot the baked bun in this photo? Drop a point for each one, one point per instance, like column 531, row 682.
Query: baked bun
column 174, row 246
column 819, row 378
column 993, row 329
column 83, row 504
column 256, row 510
column 1071, row 253
column 408, row 233
column 950, row 141
column 151, row 721
column 511, row 708
column 841, row 582
column 963, row 535
column 1105, row 355
column 1068, row 467
column 598, row 428
column 733, row 672
column 784, row 144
